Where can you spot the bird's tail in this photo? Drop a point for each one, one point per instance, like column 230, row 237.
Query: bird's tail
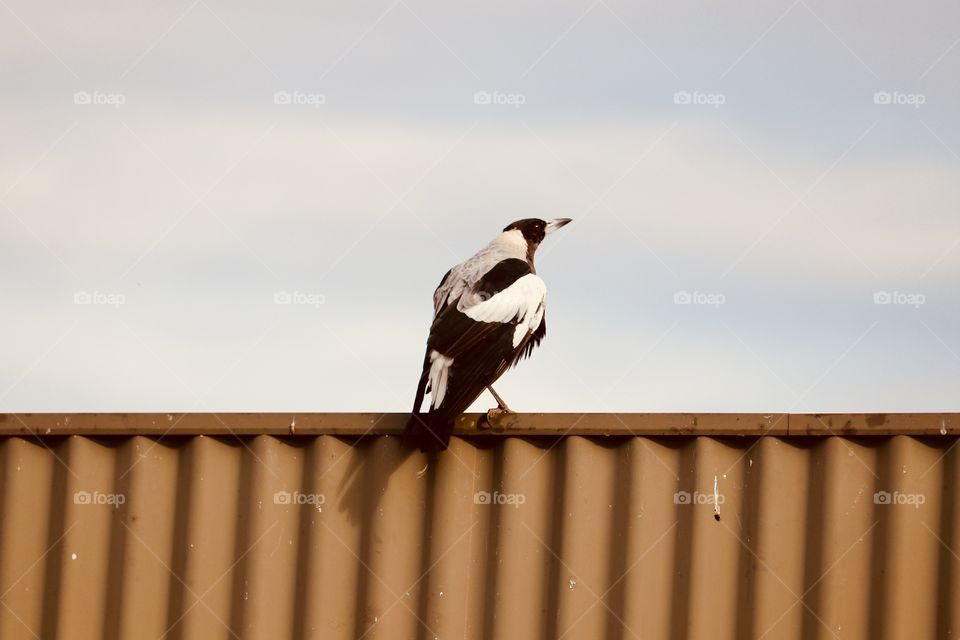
column 428, row 431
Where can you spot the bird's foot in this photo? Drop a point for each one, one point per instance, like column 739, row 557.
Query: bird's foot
column 423, row 471
column 496, row 412
column 501, row 405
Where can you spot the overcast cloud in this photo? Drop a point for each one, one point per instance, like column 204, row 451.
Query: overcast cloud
column 173, row 174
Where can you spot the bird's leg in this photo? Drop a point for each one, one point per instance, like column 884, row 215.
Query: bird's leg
column 502, row 405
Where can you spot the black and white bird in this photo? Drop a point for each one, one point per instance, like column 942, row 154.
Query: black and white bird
column 488, row 315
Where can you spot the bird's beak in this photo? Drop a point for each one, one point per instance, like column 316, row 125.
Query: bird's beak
column 556, row 223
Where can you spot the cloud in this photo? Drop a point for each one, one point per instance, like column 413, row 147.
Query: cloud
column 200, row 196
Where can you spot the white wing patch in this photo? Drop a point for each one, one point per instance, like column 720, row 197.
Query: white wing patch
column 439, row 376
column 522, row 302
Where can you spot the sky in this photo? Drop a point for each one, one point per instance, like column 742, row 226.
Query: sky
column 213, row 206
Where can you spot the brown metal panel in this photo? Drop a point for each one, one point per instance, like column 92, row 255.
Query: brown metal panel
column 394, row 550
column 498, row 537
column 330, row 571
column 454, row 531
column 271, row 500
column 874, row 424
column 778, row 487
column 908, row 590
column 481, row 575
column 583, row 547
column 948, row 535
column 522, row 424
column 715, row 540
column 842, row 541
column 26, row 497
column 633, row 424
column 652, row 585
column 142, row 539
column 207, row 540
column 77, row 600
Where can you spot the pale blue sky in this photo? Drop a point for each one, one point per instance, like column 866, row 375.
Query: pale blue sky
column 792, row 193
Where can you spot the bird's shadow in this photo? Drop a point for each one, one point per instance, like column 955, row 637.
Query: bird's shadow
column 368, row 474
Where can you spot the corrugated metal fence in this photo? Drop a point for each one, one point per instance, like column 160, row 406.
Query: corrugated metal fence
column 668, row 527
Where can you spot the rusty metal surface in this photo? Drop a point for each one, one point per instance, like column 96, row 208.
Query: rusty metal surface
column 592, row 424
column 691, row 536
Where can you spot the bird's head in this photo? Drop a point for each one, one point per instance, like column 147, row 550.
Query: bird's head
column 534, row 230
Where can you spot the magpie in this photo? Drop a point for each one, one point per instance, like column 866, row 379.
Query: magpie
column 488, row 314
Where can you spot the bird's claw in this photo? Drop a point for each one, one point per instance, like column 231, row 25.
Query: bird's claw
column 496, row 412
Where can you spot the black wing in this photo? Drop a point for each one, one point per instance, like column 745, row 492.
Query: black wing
column 481, row 351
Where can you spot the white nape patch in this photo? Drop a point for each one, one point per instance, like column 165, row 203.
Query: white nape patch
column 439, row 375
column 522, row 302
column 512, row 243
